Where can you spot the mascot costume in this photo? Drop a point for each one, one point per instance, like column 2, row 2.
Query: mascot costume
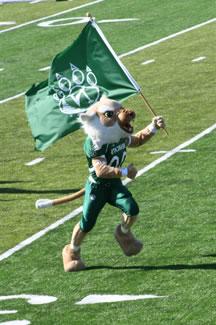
column 109, row 133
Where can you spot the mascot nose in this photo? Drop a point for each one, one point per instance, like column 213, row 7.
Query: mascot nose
column 128, row 113
column 132, row 114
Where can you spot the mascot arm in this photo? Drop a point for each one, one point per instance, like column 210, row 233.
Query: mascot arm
column 105, row 171
column 140, row 137
column 146, row 134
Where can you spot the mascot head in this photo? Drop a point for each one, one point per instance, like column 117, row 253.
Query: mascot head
column 107, row 122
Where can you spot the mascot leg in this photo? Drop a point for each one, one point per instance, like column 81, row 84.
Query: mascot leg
column 71, row 252
column 126, row 240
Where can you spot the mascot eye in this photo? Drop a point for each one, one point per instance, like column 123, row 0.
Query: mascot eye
column 109, row 114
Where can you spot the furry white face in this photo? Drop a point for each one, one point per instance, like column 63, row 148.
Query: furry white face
column 102, row 128
column 107, row 122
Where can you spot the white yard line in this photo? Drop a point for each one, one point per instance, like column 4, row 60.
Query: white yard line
column 11, row 98
column 5, row 312
column 12, row 1
column 51, row 16
column 45, row 68
column 35, row 1
column 35, row 161
column 137, row 49
column 116, row 20
column 30, row 299
column 5, row 23
column 200, row 58
column 161, row 40
column 148, row 62
column 164, row 151
column 77, row 211
column 98, row 299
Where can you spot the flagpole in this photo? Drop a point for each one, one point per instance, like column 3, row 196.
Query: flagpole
column 150, row 108
column 147, row 104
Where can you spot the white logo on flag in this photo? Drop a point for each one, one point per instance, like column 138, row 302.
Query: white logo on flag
column 75, row 95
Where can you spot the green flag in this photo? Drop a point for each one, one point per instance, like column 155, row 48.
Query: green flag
column 79, row 76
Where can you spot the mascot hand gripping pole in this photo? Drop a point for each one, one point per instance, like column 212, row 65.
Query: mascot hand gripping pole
column 109, row 133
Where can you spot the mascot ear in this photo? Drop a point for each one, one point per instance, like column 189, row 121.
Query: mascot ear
column 89, row 114
column 85, row 117
column 109, row 103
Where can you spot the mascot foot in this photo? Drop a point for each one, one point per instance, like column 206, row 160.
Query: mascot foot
column 128, row 243
column 71, row 260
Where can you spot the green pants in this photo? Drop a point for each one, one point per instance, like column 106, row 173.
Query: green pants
column 97, row 195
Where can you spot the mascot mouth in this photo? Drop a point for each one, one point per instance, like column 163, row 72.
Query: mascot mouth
column 125, row 118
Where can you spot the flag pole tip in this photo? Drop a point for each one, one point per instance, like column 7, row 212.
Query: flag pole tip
column 89, row 15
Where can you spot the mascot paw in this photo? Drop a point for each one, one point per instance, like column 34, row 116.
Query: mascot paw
column 71, row 260
column 128, row 243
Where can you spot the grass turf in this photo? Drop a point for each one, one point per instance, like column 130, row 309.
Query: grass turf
column 177, row 198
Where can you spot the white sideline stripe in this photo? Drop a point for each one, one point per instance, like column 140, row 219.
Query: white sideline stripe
column 135, row 50
column 167, row 38
column 77, row 211
column 51, row 16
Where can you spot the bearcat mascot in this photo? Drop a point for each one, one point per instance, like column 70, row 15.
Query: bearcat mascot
column 109, row 133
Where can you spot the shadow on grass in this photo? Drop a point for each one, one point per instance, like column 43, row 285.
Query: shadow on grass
column 209, row 255
column 173, row 267
column 13, row 182
column 9, row 190
column 6, row 200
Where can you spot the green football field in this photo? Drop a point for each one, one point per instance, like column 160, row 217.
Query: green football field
column 169, row 48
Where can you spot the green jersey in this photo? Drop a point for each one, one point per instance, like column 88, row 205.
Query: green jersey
column 114, row 154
